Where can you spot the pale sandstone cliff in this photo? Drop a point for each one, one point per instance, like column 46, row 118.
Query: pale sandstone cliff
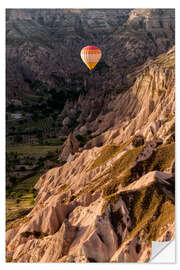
column 111, row 201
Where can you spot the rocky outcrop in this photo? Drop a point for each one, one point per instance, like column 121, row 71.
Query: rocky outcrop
column 132, row 217
column 148, row 113
column 70, row 147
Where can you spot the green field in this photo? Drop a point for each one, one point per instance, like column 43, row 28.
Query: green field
column 21, row 195
column 21, row 199
column 54, row 141
column 32, row 149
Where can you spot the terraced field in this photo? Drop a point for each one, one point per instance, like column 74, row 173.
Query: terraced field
column 20, row 190
column 32, row 149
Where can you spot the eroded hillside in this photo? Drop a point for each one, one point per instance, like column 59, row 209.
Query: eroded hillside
column 115, row 194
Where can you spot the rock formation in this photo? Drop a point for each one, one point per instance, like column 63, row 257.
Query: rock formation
column 117, row 194
column 70, row 147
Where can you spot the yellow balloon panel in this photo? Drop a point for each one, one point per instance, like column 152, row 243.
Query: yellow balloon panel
column 91, row 65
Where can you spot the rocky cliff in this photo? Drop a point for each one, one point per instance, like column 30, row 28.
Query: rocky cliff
column 116, row 193
column 46, row 78
column 43, row 47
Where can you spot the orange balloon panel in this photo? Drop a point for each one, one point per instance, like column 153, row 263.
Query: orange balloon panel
column 91, row 56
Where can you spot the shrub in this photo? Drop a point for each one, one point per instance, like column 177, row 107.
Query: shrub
column 17, row 201
column 9, row 259
column 82, row 139
column 36, row 234
column 35, row 193
column 13, row 194
column 26, row 234
column 138, row 140
column 64, row 187
column 12, row 179
column 18, row 195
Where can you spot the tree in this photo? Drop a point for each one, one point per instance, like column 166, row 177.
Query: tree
column 12, row 179
column 18, row 138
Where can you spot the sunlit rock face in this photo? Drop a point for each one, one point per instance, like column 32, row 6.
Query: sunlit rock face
column 116, row 195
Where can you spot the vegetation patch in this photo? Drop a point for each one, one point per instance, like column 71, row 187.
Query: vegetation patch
column 83, row 139
column 54, row 141
column 166, row 216
column 63, row 188
column 20, row 199
column 9, row 259
column 125, row 161
column 16, row 223
column 170, row 117
column 120, row 171
column 151, row 211
column 13, row 215
column 36, row 234
column 160, row 160
column 110, row 200
column 138, row 140
column 146, row 215
column 148, row 200
column 108, row 152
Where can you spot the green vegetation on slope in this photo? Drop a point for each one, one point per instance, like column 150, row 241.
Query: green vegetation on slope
column 118, row 173
column 154, row 210
column 13, row 215
column 125, row 161
column 108, row 152
column 167, row 216
column 142, row 216
column 123, row 173
column 17, row 222
column 36, row 234
column 163, row 157
column 149, row 208
column 83, row 139
column 160, row 160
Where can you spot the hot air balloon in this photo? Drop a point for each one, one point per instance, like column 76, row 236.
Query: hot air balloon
column 91, row 56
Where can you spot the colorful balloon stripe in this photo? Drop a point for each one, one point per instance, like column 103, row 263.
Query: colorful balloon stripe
column 91, row 56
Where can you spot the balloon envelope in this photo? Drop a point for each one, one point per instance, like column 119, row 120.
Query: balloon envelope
column 91, row 56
